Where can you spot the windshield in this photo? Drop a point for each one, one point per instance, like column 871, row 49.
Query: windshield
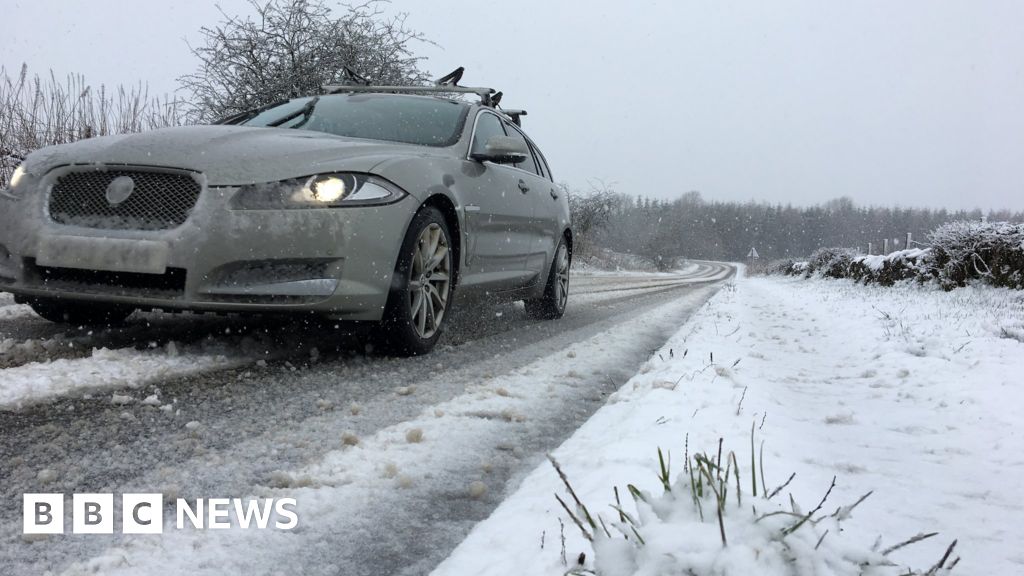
column 395, row 118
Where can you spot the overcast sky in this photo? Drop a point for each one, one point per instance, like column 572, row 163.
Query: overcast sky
column 910, row 102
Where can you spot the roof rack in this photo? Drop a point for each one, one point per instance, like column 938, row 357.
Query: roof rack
column 515, row 115
column 447, row 84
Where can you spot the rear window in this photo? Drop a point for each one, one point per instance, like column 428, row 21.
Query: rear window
column 394, row 118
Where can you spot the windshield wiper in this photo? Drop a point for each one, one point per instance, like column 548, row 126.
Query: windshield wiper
column 247, row 115
column 306, row 112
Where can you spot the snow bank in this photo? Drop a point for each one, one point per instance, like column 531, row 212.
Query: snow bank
column 907, row 392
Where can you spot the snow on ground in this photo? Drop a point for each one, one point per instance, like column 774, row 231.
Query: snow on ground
column 365, row 477
column 124, row 367
column 11, row 311
column 909, row 392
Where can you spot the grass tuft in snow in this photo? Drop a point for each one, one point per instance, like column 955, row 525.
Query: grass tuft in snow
column 699, row 525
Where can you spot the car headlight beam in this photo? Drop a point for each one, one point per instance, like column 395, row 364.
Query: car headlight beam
column 318, row 191
column 327, row 189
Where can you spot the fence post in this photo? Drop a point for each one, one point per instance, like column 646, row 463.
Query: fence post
column 869, row 248
column 909, row 240
column 885, row 246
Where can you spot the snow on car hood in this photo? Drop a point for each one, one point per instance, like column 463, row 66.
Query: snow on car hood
column 228, row 155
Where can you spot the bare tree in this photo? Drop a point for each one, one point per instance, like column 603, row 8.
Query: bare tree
column 37, row 112
column 590, row 212
column 291, row 48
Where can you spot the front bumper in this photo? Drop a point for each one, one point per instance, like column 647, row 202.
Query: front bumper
column 335, row 261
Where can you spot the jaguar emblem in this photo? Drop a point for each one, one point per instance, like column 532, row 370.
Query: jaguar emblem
column 120, row 189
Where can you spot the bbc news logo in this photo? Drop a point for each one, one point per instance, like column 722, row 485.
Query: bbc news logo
column 144, row 513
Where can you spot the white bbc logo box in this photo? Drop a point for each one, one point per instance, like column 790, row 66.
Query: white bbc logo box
column 93, row 513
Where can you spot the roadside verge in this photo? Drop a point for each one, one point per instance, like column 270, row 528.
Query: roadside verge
column 907, row 392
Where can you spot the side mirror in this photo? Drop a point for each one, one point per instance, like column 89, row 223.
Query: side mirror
column 503, row 150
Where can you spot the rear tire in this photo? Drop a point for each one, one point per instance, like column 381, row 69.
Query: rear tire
column 551, row 305
column 79, row 313
column 421, row 293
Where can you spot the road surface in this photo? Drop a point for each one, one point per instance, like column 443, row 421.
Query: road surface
column 295, row 408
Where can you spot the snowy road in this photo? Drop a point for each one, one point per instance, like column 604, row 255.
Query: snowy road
column 392, row 460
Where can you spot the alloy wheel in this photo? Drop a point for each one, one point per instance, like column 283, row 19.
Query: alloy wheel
column 562, row 278
column 429, row 281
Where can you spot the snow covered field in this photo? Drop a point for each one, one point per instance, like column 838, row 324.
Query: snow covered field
column 913, row 394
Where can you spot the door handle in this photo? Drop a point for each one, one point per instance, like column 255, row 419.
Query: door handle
column 523, row 187
column 554, row 195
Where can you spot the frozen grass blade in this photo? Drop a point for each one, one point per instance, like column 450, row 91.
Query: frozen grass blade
column 764, row 485
column 753, row 477
column 664, row 475
column 574, row 518
column 736, row 472
column 782, row 487
column 568, row 486
column 908, row 542
column 810, row 514
column 618, row 505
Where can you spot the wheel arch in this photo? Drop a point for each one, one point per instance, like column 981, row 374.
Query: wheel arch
column 447, row 208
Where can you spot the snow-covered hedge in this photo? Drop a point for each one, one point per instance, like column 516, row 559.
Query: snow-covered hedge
column 830, row 262
column 959, row 252
column 890, row 268
column 782, row 266
column 965, row 251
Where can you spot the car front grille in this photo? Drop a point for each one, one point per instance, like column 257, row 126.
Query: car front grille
column 157, row 200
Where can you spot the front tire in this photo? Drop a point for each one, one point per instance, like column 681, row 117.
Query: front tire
column 421, row 293
column 79, row 313
column 551, row 305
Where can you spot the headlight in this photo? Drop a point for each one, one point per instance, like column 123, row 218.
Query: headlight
column 319, row 191
column 19, row 173
column 12, row 185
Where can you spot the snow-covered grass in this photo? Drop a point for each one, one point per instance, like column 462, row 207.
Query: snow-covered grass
column 909, row 393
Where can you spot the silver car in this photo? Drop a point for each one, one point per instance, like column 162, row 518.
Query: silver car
column 363, row 204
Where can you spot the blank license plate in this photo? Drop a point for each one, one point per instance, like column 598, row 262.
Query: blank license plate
column 108, row 254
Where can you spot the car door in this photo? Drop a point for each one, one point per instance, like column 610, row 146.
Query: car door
column 549, row 208
column 542, row 196
column 498, row 216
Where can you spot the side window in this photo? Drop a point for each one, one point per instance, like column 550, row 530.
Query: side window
column 487, row 126
column 530, row 165
column 536, row 159
column 543, row 162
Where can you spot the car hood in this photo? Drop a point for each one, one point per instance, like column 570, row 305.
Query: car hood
column 229, row 155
